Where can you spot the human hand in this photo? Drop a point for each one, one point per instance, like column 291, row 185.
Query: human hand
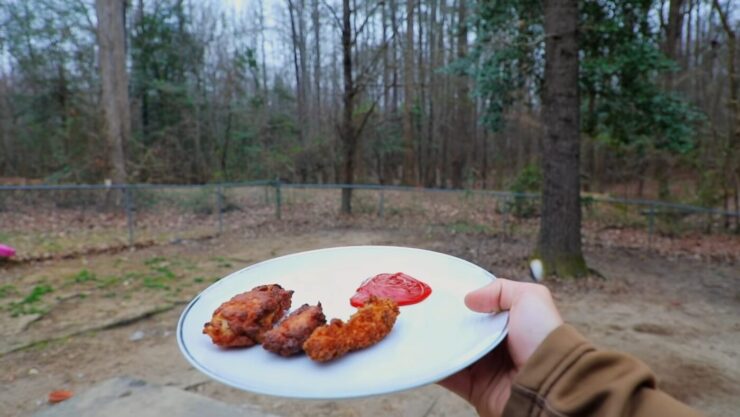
column 486, row 384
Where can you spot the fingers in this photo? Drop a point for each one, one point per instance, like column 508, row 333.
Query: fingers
column 459, row 383
column 496, row 296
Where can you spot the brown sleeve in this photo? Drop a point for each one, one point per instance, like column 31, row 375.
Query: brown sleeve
column 568, row 376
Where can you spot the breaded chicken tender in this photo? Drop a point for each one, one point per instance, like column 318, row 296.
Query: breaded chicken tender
column 369, row 325
column 243, row 320
column 287, row 337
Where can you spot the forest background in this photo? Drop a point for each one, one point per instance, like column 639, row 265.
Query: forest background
column 442, row 93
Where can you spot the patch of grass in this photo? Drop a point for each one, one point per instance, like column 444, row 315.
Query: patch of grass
column 30, row 303
column 155, row 261
column 164, row 272
column 154, row 283
column 37, row 292
column 83, row 276
column 160, row 276
column 221, row 262
column 463, row 226
column 199, row 280
column 8, row 289
column 108, row 281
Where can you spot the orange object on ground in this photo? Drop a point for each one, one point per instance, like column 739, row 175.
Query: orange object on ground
column 59, row 396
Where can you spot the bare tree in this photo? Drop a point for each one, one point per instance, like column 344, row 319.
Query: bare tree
column 560, row 226
column 347, row 131
column 409, row 166
column 316, row 22
column 464, row 122
column 355, row 83
column 112, row 57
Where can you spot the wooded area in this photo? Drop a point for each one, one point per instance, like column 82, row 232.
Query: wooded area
column 437, row 93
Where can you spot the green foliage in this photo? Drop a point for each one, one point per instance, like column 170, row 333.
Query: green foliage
column 30, row 303
column 160, row 275
column 623, row 104
column 710, row 185
column 36, row 294
column 83, row 276
column 7, row 289
column 528, row 180
column 165, row 57
column 621, row 63
column 506, row 57
column 51, row 87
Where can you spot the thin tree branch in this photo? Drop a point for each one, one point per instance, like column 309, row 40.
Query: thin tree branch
column 334, row 14
column 723, row 18
column 363, row 73
column 367, row 19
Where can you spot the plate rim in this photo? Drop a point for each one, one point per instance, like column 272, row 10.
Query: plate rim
column 395, row 389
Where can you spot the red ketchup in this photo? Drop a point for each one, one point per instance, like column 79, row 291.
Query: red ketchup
column 402, row 288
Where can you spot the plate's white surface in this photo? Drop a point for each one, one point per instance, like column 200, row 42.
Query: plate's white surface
column 430, row 340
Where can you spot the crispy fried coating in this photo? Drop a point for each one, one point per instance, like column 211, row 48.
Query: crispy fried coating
column 287, row 337
column 369, row 325
column 243, row 320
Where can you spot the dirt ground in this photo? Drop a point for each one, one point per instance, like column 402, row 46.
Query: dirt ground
column 69, row 324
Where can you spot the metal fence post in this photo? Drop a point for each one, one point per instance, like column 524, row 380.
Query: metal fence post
column 219, row 208
column 128, row 204
column 381, row 204
column 651, row 221
column 278, row 199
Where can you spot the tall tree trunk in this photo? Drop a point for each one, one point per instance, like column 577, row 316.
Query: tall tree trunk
column 463, row 123
column 433, row 33
column 315, row 17
column 409, row 161
column 112, row 59
column 730, row 172
column 386, row 63
column 7, row 161
column 394, row 57
column 299, row 63
column 347, row 130
column 261, row 22
column 673, row 35
column 560, row 226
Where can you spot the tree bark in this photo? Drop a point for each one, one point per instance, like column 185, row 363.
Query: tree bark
column 729, row 172
column 409, row 161
column 347, row 130
column 315, row 17
column 462, row 145
column 673, row 35
column 560, row 227
column 112, row 58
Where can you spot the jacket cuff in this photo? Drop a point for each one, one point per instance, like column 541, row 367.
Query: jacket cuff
column 553, row 356
column 560, row 349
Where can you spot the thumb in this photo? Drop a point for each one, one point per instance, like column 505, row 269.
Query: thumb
column 497, row 296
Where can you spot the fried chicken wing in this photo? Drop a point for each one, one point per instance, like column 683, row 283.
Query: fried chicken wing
column 287, row 337
column 366, row 327
column 243, row 320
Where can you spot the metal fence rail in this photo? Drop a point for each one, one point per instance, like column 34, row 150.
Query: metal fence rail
column 214, row 201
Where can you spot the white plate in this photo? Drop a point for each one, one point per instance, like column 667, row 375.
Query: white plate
column 430, row 340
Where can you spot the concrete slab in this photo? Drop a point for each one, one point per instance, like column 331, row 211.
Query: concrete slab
column 127, row 397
